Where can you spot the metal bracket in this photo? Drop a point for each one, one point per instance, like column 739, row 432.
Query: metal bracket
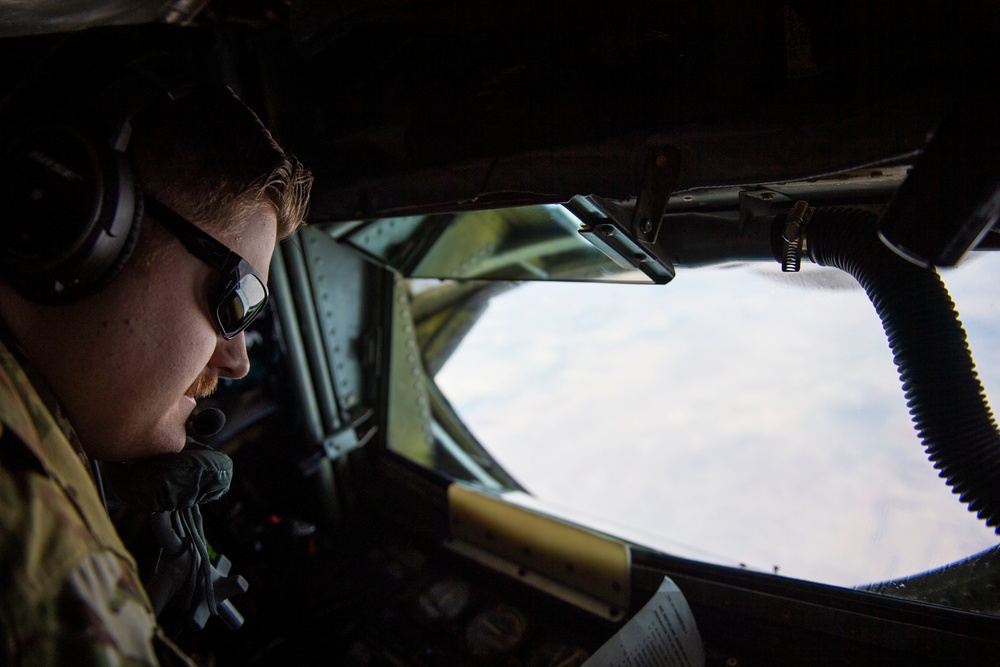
column 340, row 443
column 759, row 204
column 607, row 228
column 658, row 180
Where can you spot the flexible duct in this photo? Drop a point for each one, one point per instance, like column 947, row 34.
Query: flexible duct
column 942, row 390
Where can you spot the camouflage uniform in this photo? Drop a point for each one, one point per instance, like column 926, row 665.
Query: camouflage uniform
column 69, row 589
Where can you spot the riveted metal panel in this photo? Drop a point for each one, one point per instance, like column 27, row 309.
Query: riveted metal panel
column 336, row 274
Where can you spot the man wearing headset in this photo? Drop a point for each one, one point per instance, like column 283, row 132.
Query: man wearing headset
column 137, row 251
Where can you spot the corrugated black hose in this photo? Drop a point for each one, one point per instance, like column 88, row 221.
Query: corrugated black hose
column 943, row 392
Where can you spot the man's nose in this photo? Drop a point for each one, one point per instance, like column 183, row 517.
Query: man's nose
column 230, row 359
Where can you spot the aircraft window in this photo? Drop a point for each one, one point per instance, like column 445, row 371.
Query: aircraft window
column 738, row 415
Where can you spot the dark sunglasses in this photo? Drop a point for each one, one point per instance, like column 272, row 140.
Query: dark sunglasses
column 242, row 293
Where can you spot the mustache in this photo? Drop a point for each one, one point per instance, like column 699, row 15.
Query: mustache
column 205, row 385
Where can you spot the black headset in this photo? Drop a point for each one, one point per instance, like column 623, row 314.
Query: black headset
column 70, row 203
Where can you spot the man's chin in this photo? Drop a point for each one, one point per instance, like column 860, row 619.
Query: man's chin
column 166, row 441
column 165, row 445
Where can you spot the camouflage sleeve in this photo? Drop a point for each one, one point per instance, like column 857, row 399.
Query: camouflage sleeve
column 100, row 618
column 63, row 598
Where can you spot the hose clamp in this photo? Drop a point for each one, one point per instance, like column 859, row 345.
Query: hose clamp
column 794, row 236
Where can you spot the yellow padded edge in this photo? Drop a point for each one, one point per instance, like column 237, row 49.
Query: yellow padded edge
column 583, row 560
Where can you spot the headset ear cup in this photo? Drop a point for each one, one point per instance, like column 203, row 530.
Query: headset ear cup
column 73, row 217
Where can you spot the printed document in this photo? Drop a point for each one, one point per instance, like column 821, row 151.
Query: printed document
column 661, row 634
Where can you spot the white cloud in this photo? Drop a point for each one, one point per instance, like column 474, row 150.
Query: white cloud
column 726, row 412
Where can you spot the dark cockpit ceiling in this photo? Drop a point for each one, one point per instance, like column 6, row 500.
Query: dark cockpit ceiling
column 405, row 107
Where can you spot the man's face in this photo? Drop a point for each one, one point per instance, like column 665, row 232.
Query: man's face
column 137, row 355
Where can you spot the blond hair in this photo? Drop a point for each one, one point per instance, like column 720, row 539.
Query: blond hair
column 210, row 156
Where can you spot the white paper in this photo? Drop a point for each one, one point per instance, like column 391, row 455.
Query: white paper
column 661, row 634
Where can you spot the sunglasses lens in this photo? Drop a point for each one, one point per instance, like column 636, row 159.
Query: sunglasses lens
column 241, row 305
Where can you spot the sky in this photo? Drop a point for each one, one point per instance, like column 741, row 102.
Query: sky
column 736, row 415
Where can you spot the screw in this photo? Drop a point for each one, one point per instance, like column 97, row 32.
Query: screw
column 606, row 230
column 646, row 225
